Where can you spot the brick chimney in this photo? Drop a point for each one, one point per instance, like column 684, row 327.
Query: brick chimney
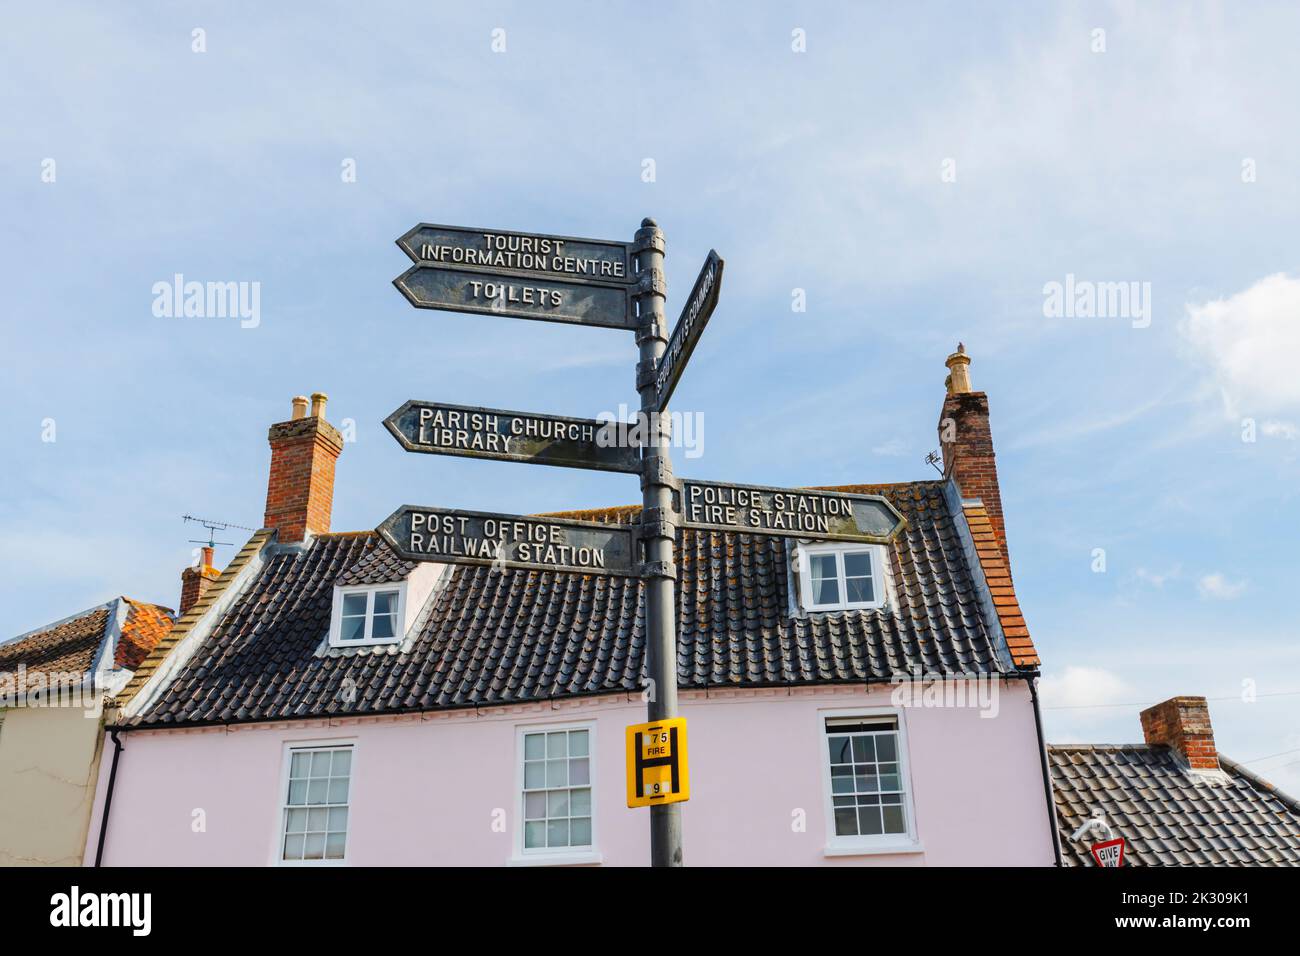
column 195, row 581
column 300, row 491
column 1183, row 724
column 967, row 443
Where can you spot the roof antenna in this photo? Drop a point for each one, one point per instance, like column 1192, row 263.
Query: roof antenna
column 213, row 527
column 933, row 459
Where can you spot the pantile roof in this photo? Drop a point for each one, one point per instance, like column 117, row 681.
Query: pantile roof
column 73, row 645
column 1168, row 814
column 493, row 636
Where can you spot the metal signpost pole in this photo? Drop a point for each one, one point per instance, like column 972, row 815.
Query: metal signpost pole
column 659, row 575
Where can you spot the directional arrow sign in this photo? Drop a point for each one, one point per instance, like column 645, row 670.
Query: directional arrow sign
column 789, row 512
column 509, row 541
column 512, row 436
column 690, row 325
column 492, row 249
column 520, row 295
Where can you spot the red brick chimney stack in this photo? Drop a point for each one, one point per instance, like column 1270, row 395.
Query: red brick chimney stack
column 196, row 580
column 1183, row 724
column 300, row 490
column 967, row 443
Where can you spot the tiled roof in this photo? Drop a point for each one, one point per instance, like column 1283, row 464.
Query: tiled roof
column 67, row 647
column 144, row 627
column 1169, row 815
column 997, row 575
column 72, row 646
column 167, row 642
column 495, row 637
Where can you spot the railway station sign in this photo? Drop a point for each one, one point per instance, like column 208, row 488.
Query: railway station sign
column 534, row 543
column 789, row 512
column 494, row 433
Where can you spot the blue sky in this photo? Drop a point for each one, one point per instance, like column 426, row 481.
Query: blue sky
column 1170, row 158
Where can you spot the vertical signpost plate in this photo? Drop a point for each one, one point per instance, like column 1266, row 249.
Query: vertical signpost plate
column 690, row 325
column 657, row 767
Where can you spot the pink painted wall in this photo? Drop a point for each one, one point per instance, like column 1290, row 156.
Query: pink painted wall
column 427, row 791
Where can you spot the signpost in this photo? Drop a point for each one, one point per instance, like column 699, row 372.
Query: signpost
column 533, row 543
column 788, row 512
column 657, row 768
column 440, row 429
column 1109, row 853
column 690, row 325
column 583, row 282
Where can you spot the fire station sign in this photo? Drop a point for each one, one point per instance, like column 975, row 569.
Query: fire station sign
column 492, row 249
column 657, row 770
column 690, row 325
column 494, row 433
column 789, row 512
column 509, row 541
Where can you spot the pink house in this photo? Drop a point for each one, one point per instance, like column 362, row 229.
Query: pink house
column 325, row 702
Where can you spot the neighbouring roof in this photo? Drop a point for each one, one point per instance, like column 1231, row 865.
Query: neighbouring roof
column 73, row 645
column 1168, row 814
column 496, row 637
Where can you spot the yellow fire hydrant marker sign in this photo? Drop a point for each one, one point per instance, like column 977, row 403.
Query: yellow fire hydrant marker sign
column 656, row 763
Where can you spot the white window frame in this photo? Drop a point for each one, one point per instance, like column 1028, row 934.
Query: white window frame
column 839, row 549
column 882, row 843
column 282, row 797
column 370, row 590
column 554, row 856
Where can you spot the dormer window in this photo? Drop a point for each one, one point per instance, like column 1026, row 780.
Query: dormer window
column 365, row 616
column 841, row 577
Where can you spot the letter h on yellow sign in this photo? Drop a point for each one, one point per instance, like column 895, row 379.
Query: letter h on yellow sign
column 657, row 769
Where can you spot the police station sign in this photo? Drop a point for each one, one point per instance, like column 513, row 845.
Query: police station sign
column 790, row 512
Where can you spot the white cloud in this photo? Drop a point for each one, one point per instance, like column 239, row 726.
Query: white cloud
column 1249, row 342
column 1215, row 586
column 1157, row 579
column 1080, row 687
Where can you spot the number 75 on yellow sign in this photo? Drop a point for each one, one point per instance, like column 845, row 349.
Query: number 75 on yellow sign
column 657, row 768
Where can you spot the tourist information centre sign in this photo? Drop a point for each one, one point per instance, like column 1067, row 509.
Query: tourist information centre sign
column 519, row 274
column 535, row 543
column 501, row 435
column 790, row 512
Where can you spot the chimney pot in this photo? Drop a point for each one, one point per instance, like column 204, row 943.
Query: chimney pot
column 300, row 489
column 196, row 580
column 958, row 364
column 1183, row 725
